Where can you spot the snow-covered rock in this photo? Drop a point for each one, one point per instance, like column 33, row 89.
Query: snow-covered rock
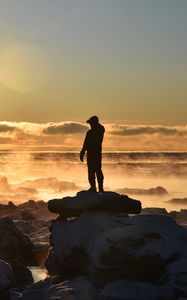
column 178, row 276
column 91, row 201
column 108, row 247
column 140, row 249
column 71, row 241
column 134, row 290
column 51, row 289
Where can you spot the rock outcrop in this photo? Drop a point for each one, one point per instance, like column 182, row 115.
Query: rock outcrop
column 99, row 252
column 90, row 201
column 16, row 248
column 14, row 243
column 123, row 257
column 6, row 279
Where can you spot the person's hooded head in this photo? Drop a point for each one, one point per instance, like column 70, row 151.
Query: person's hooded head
column 93, row 121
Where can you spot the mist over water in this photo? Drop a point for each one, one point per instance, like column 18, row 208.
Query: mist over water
column 43, row 175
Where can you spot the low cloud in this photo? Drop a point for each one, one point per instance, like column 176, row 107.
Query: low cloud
column 4, row 128
column 130, row 130
column 65, row 128
column 70, row 135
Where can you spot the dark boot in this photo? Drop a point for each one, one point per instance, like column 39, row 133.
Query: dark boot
column 101, row 189
column 91, row 179
column 100, row 179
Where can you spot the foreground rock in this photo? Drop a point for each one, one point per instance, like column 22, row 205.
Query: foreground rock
column 90, row 201
column 6, row 279
column 14, row 243
column 16, row 248
column 107, row 247
column 98, row 252
column 134, row 290
column 54, row 289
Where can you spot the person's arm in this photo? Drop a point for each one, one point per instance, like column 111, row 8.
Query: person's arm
column 84, row 148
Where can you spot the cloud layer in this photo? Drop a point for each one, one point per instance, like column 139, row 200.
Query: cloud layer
column 71, row 134
column 65, row 128
column 126, row 130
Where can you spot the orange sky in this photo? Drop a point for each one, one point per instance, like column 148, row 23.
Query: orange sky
column 67, row 60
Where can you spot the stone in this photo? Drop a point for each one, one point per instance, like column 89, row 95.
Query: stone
column 139, row 250
column 134, row 290
column 90, row 201
column 107, row 247
column 6, row 280
column 70, row 241
column 6, row 275
column 178, row 276
column 14, row 243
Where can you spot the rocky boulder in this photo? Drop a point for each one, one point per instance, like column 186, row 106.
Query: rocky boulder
column 17, row 249
column 140, row 249
column 14, row 243
column 134, row 290
column 6, row 279
column 107, row 247
column 90, row 201
column 53, row 289
column 70, row 241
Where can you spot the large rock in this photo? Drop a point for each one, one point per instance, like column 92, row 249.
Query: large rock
column 6, row 280
column 70, row 241
column 14, row 243
column 53, row 289
column 109, row 247
column 134, row 290
column 22, row 275
column 178, row 276
column 91, row 201
column 16, row 248
column 6, row 275
column 140, row 250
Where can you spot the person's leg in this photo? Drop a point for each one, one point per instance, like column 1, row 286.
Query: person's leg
column 100, row 179
column 91, row 178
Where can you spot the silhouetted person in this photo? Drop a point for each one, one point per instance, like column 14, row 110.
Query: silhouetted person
column 93, row 146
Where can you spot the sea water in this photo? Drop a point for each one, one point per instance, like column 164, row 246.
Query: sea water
column 43, row 175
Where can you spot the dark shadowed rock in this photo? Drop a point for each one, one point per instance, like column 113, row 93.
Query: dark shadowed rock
column 134, row 290
column 108, row 247
column 6, row 280
column 22, row 275
column 91, row 201
column 54, row 289
column 140, row 250
column 70, row 241
column 14, row 243
column 154, row 211
column 179, row 216
column 6, row 275
column 178, row 276
column 16, row 248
